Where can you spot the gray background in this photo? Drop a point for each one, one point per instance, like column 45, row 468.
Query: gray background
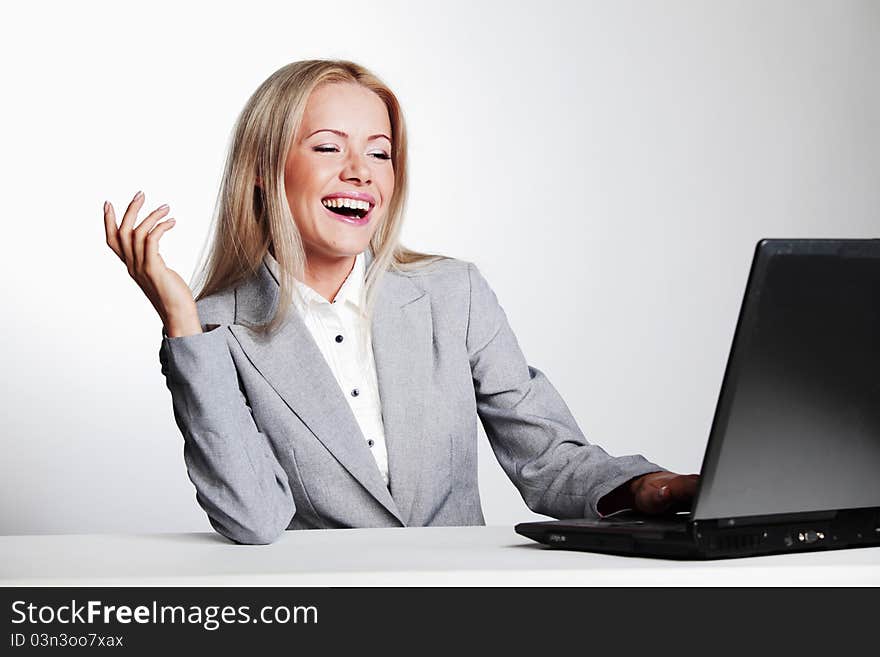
column 608, row 166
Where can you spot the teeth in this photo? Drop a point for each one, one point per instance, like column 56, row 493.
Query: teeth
column 346, row 203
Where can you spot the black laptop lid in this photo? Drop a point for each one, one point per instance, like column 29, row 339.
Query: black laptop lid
column 797, row 428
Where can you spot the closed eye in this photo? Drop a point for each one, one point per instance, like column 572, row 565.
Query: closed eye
column 381, row 155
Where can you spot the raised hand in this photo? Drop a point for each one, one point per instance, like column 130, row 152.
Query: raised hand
column 138, row 248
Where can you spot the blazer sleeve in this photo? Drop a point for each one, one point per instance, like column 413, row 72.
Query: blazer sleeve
column 532, row 432
column 239, row 482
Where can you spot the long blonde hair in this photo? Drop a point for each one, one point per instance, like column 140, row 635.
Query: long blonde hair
column 248, row 219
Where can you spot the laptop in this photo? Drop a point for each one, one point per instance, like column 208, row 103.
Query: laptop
column 793, row 458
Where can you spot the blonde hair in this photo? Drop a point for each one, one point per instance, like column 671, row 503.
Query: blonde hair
column 248, row 219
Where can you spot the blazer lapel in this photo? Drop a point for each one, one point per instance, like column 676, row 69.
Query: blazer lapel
column 402, row 335
column 293, row 365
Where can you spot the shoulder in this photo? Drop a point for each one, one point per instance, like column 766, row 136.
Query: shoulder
column 452, row 279
column 434, row 270
column 217, row 309
column 443, row 277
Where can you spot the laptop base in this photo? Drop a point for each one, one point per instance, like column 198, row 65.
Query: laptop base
column 677, row 538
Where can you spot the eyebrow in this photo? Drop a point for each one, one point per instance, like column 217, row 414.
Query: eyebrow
column 342, row 134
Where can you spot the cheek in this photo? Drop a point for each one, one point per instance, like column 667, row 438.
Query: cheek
column 387, row 179
column 305, row 181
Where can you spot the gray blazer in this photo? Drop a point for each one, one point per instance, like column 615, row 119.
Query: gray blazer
column 270, row 442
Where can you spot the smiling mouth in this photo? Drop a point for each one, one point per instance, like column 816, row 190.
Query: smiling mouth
column 347, row 207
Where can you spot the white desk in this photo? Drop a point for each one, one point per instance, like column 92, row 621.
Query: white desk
column 429, row 556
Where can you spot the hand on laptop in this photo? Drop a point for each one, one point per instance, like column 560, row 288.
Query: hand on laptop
column 664, row 492
column 653, row 493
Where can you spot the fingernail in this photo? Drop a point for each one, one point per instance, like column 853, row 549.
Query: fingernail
column 663, row 492
column 164, row 206
column 105, row 206
column 138, row 195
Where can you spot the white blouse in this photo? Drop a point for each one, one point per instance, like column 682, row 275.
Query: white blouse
column 342, row 333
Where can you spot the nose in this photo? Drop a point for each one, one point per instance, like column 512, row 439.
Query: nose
column 356, row 168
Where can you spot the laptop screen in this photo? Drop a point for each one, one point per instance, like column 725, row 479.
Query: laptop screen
column 797, row 427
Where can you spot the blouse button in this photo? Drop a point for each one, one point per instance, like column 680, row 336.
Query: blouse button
column 370, row 442
column 339, row 338
column 355, row 392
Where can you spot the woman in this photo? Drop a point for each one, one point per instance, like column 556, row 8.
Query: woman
column 358, row 406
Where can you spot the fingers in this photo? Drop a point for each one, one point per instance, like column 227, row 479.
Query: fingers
column 681, row 491
column 152, row 259
column 128, row 243
column 666, row 492
column 125, row 229
column 112, row 230
column 143, row 229
column 653, row 496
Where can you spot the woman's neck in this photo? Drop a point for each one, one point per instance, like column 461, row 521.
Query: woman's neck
column 326, row 275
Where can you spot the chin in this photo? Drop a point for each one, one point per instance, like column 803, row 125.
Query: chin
column 346, row 250
column 351, row 246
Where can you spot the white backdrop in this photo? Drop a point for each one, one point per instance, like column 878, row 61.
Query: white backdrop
column 608, row 166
